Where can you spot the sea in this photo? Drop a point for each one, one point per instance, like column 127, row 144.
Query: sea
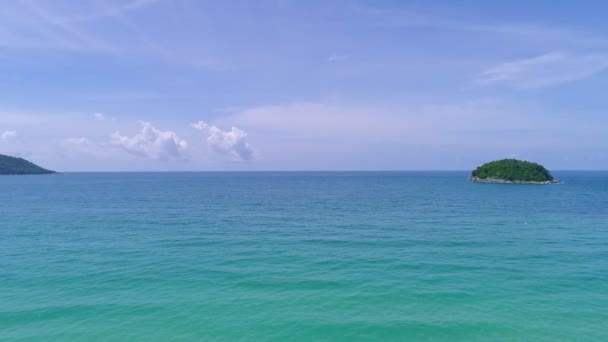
column 302, row 256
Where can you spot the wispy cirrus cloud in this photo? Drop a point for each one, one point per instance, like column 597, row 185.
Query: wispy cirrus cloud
column 108, row 11
column 333, row 58
column 77, row 141
column 545, row 70
column 88, row 26
column 6, row 135
column 29, row 24
column 99, row 116
column 446, row 21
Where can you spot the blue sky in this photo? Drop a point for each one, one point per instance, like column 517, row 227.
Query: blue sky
column 303, row 85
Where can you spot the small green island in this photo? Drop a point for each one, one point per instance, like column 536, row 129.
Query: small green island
column 19, row 166
column 512, row 171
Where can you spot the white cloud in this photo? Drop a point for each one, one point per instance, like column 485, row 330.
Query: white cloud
column 201, row 126
column 8, row 135
column 231, row 144
column 337, row 58
column 99, row 116
column 545, row 70
column 77, row 141
column 151, row 143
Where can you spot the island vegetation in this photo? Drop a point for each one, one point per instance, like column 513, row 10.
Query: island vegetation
column 512, row 171
column 19, row 166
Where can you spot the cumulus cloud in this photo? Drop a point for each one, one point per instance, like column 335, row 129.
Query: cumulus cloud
column 151, row 143
column 99, row 116
column 6, row 135
column 231, row 144
column 545, row 70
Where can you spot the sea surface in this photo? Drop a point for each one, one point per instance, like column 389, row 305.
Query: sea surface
column 302, row 256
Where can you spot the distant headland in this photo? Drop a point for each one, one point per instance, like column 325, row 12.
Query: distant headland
column 512, row 171
column 19, row 166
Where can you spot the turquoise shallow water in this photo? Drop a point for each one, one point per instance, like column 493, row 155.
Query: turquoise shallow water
column 302, row 256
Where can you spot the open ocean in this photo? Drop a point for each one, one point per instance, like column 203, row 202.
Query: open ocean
column 302, row 256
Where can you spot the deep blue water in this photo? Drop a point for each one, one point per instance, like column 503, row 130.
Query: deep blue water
column 302, row 256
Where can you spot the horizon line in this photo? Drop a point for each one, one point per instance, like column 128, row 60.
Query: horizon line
column 254, row 171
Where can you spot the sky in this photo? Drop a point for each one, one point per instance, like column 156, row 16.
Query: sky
column 168, row 85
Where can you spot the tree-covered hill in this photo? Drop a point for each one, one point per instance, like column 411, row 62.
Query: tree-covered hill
column 512, row 170
column 19, row 166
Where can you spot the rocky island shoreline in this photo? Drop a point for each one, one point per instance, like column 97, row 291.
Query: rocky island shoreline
column 504, row 181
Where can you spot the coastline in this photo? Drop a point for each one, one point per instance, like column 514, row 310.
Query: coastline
column 504, row 181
